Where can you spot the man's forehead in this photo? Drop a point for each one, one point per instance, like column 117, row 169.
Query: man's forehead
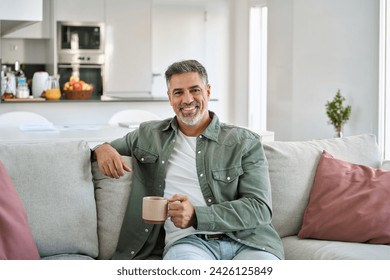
column 185, row 80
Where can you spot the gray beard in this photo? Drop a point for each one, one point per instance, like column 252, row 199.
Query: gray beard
column 191, row 122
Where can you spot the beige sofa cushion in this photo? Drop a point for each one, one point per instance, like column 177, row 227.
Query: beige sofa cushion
column 292, row 167
column 311, row 249
column 112, row 196
column 54, row 183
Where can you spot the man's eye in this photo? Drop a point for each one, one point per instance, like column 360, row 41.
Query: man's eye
column 195, row 90
column 177, row 93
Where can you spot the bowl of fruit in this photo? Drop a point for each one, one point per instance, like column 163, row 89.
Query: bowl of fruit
column 77, row 89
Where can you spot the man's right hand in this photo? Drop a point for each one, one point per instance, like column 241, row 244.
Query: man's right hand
column 110, row 161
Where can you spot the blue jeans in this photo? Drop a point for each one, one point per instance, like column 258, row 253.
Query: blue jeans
column 193, row 247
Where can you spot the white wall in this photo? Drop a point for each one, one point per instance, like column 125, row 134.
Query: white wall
column 316, row 48
column 29, row 51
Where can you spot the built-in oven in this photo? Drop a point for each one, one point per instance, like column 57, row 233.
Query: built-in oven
column 81, row 50
column 90, row 72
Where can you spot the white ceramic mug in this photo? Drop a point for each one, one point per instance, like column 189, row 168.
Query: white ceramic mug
column 154, row 209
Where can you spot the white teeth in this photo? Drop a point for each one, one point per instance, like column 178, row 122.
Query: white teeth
column 189, row 109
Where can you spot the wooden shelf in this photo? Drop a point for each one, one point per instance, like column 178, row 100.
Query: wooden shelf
column 23, row 99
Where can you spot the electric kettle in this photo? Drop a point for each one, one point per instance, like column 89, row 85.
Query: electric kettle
column 39, row 83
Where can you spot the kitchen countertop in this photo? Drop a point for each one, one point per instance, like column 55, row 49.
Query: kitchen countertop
column 41, row 100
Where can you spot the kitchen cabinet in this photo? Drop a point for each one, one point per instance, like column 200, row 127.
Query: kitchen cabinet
column 18, row 13
column 38, row 30
column 128, row 68
column 76, row 10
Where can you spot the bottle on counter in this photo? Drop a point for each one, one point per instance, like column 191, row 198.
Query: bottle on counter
column 9, row 84
column 19, row 74
column 7, row 94
column 3, row 79
column 22, row 91
column 11, row 81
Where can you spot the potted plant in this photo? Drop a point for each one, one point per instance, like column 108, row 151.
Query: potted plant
column 338, row 113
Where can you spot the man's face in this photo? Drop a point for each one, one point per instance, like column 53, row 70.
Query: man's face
column 189, row 96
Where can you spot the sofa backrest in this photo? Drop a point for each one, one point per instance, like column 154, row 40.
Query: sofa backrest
column 292, row 167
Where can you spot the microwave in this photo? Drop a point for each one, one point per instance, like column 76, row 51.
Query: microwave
column 80, row 37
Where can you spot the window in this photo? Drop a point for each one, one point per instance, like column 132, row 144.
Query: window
column 384, row 80
column 258, row 67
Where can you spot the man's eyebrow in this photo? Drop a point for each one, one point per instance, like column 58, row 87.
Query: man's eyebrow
column 191, row 87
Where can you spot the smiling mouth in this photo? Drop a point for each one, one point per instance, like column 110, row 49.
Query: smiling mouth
column 189, row 108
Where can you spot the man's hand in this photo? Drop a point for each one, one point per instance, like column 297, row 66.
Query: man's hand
column 181, row 211
column 110, row 161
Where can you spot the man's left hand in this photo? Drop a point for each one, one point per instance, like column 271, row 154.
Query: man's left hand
column 181, row 211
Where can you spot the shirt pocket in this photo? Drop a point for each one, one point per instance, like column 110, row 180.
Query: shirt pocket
column 227, row 175
column 144, row 156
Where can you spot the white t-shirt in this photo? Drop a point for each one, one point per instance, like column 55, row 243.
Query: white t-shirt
column 182, row 179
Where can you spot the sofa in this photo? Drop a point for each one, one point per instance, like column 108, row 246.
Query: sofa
column 65, row 208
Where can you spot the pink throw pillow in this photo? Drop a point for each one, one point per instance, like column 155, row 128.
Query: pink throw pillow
column 348, row 202
column 16, row 240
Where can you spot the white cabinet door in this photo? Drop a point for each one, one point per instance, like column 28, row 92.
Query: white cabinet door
column 128, row 68
column 21, row 10
column 39, row 30
column 17, row 14
column 178, row 32
column 80, row 10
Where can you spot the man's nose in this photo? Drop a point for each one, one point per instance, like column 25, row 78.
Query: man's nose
column 187, row 97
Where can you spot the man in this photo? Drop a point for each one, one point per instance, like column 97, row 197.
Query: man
column 214, row 175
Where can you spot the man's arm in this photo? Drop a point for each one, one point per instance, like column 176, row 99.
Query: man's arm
column 110, row 161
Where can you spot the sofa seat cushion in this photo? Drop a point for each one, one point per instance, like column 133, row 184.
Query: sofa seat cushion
column 292, row 167
column 311, row 249
column 54, row 183
column 64, row 257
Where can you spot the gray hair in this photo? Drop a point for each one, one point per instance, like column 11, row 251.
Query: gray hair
column 186, row 66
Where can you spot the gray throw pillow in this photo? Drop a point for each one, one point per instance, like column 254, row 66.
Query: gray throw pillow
column 112, row 196
column 54, row 183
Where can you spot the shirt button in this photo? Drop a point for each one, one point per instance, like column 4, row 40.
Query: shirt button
column 132, row 252
column 142, row 159
column 201, row 175
column 163, row 162
column 228, row 178
column 146, row 230
column 200, row 136
column 199, row 152
column 209, row 200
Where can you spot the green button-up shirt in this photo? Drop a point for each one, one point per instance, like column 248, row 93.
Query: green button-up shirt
column 233, row 175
